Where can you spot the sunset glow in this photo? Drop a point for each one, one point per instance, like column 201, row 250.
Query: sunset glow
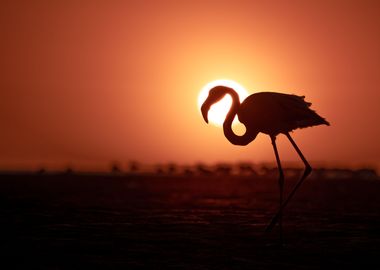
column 190, row 134
column 218, row 111
column 84, row 85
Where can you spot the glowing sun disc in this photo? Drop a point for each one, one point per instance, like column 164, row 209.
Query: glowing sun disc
column 218, row 111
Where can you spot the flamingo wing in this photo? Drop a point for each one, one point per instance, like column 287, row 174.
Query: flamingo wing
column 274, row 113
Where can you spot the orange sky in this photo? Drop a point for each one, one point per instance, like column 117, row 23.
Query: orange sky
column 118, row 80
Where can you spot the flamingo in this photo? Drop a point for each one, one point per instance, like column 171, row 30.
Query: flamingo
column 272, row 114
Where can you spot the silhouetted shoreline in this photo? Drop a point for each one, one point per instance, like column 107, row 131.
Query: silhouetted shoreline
column 200, row 169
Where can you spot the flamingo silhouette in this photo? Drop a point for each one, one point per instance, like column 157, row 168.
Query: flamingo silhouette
column 272, row 114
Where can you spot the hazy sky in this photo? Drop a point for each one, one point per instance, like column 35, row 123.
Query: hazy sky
column 87, row 82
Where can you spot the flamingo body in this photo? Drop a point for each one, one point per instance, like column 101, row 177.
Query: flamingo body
column 273, row 113
column 270, row 113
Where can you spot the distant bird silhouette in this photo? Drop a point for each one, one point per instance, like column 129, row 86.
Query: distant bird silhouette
column 272, row 114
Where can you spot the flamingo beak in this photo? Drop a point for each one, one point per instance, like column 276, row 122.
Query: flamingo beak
column 205, row 108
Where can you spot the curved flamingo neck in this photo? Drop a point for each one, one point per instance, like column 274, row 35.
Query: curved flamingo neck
column 227, row 125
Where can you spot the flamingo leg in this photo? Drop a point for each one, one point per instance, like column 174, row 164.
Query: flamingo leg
column 307, row 171
column 280, row 181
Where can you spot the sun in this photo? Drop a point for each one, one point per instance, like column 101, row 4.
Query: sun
column 218, row 111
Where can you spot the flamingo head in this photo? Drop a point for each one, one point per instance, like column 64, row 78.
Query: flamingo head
column 214, row 95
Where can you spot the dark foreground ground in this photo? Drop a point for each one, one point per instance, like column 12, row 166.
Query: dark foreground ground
column 108, row 222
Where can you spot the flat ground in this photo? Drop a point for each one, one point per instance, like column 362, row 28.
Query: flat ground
column 175, row 222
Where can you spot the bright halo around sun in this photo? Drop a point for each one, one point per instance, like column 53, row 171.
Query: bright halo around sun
column 218, row 111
